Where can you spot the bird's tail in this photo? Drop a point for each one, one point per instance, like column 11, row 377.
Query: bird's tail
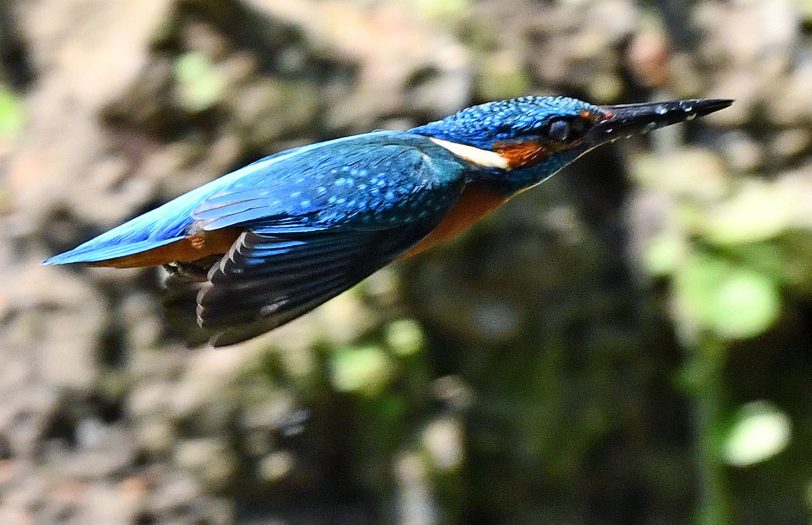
column 158, row 229
column 96, row 252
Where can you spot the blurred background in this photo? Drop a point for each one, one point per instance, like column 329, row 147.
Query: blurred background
column 627, row 344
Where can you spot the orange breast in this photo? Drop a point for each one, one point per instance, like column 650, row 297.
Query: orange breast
column 474, row 203
column 189, row 249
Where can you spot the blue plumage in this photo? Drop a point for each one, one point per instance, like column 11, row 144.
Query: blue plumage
column 278, row 237
column 362, row 181
column 381, row 178
column 481, row 125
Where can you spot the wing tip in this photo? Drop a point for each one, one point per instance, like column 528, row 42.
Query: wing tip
column 74, row 256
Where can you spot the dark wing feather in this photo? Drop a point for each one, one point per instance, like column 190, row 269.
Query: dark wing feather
column 316, row 223
column 267, row 280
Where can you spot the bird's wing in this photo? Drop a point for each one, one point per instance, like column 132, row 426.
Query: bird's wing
column 364, row 179
column 293, row 256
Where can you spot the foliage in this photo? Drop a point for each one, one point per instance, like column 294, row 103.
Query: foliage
column 12, row 115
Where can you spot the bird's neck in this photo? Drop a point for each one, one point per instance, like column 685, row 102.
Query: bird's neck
column 506, row 170
column 478, row 157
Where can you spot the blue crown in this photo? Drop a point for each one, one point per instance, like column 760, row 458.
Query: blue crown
column 481, row 126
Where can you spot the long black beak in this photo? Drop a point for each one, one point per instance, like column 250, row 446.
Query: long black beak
column 631, row 119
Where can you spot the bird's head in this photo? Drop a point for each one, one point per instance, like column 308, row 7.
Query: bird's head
column 533, row 137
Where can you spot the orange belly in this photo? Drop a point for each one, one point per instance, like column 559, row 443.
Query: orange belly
column 189, row 249
column 473, row 204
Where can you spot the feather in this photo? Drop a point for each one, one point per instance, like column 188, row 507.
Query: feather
column 267, row 280
column 314, row 232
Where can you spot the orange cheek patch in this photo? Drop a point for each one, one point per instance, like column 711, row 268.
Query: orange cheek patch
column 521, row 154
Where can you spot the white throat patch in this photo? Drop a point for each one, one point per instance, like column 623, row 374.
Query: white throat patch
column 480, row 157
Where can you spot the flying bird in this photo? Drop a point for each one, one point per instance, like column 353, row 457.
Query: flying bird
column 275, row 239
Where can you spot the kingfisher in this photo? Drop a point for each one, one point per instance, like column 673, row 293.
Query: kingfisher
column 269, row 242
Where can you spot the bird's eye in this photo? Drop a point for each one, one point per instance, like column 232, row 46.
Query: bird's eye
column 559, row 130
column 566, row 130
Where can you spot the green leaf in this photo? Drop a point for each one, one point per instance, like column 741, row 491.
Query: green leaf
column 731, row 301
column 756, row 213
column 12, row 114
column 769, row 258
column 663, row 253
column 201, row 86
column 758, row 432
column 745, row 305
column 363, row 369
column 404, row 337
column 443, row 9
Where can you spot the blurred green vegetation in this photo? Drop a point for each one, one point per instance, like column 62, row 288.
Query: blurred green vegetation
column 725, row 257
column 199, row 84
column 627, row 344
column 12, row 114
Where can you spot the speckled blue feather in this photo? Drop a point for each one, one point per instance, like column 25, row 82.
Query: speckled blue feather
column 480, row 126
column 378, row 180
column 304, row 225
column 371, row 181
